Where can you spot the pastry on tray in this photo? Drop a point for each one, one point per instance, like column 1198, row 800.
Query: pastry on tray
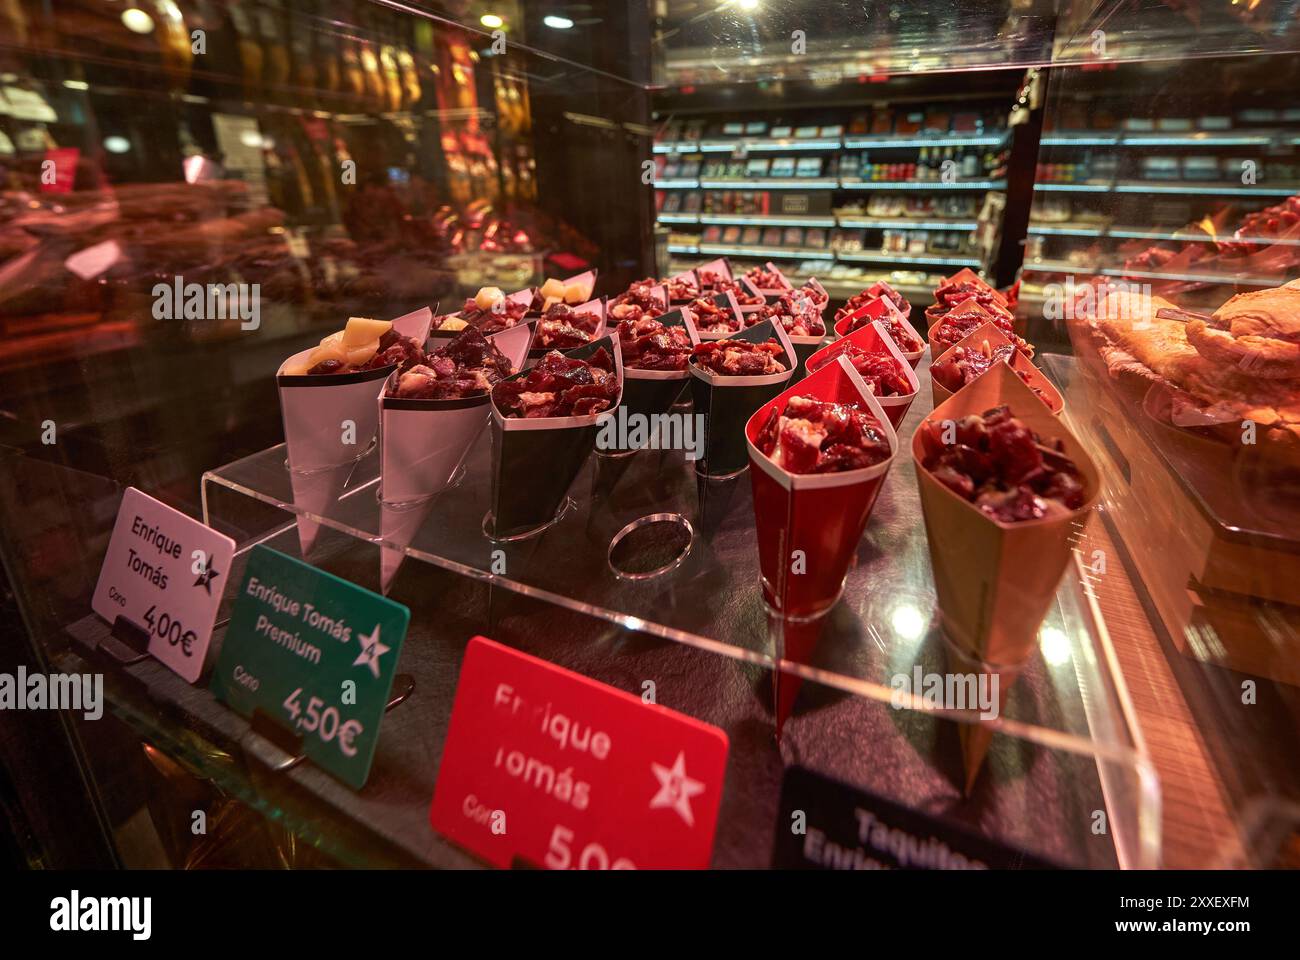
column 1156, row 346
column 1257, row 333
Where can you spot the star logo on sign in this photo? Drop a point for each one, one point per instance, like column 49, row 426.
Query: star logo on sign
column 676, row 789
column 207, row 576
column 371, row 651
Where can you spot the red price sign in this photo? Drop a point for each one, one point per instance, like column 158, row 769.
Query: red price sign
column 546, row 767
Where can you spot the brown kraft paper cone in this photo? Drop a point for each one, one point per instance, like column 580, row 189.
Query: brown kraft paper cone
column 975, row 738
column 995, row 581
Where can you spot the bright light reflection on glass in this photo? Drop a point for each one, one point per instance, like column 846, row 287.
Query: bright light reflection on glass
column 1055, row 646
column 907, row 622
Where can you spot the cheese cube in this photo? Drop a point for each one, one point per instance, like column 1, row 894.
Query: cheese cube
column 487, row 296
column 328, row 351
column 362, row 354
column 363, row 330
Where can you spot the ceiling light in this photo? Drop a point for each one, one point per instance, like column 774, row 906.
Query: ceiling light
column 748, row 4
column 117, row 144
column 491, row 21
column 557, row 22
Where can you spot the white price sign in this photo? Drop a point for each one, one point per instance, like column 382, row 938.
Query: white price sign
column 164, row 572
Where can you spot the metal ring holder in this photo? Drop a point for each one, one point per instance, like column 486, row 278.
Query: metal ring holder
column 489, row 522
column 673, row 518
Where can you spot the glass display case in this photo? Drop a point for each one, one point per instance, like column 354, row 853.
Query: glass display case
column 762, row 492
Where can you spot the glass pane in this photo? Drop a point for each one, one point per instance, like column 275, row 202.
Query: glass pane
column 1163, row 240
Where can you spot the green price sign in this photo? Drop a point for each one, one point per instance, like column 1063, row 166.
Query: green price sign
column 315, row 654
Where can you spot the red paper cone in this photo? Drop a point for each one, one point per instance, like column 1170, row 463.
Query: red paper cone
column 873, row 338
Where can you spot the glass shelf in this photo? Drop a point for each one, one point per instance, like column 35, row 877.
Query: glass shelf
column 1070, row 701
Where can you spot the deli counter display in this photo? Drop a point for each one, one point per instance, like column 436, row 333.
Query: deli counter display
column 648, row 426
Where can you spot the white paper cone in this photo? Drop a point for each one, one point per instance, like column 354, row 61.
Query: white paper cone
column 416, row 324
column 422, row 445
column 321, row 414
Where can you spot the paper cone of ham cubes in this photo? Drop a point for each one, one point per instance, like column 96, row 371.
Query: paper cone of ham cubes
column 800, row 310
column 535, row 460
column 769, row 281
column 821, row 514
column 809, row 525
column 995, row 579
column 727, row 402
column 966, row 275
column 496, row 311
column 873, row 339
column 721, row 267
column 572, row 291
column 820, row 299
column 719, row 270
column 881, row 309
column 648, row 393
column 884, row 291
column 715, row 316
column 330, row 419
column 986, row 339
column 682, row 287
column 422, row 443
column 588, row 318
